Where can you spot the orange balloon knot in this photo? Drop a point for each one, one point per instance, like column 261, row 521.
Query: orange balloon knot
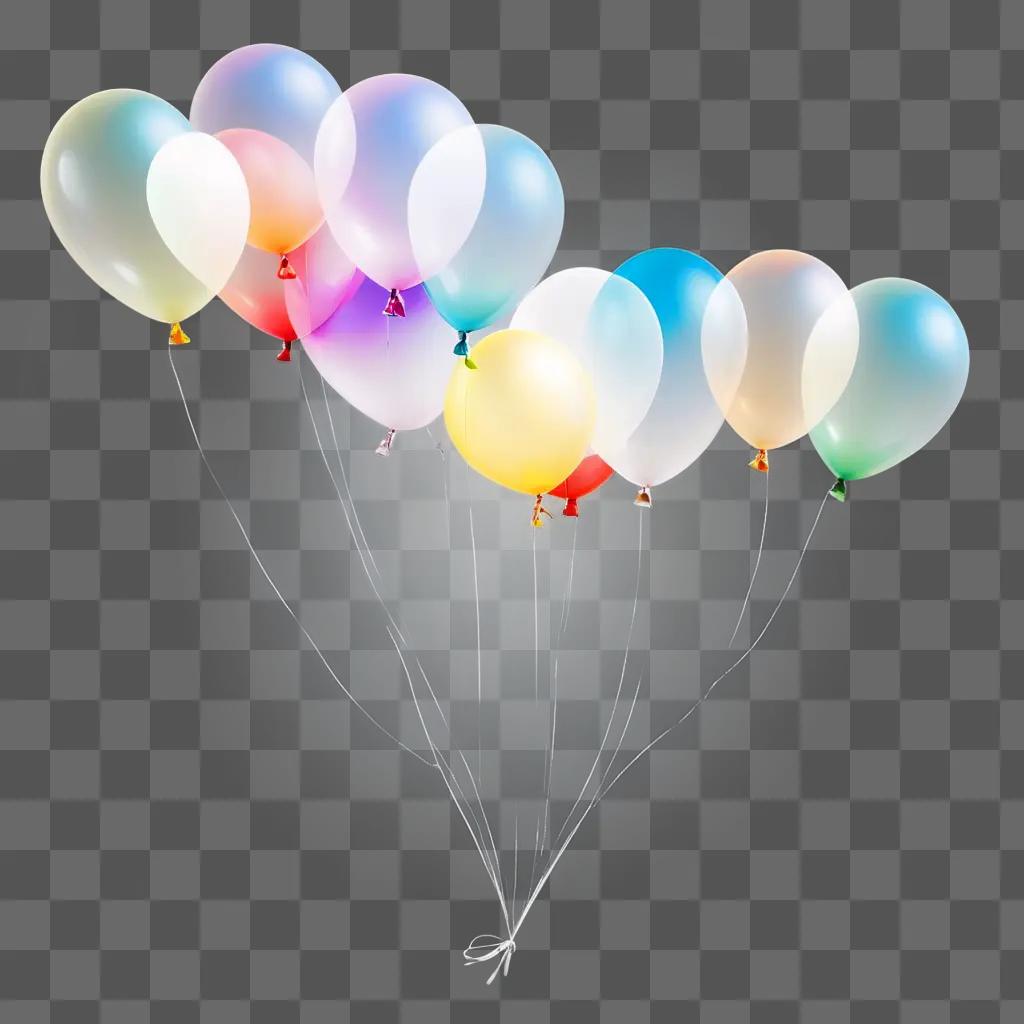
column 538, row 511
column 285, row 355
column 395, row 306
column 760, row 461
column 571, row 509
column 384, row 448
column 285, row 271
column 643, row 498
column 177, row 336
column 838, row 490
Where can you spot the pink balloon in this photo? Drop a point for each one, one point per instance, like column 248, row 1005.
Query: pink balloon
column 285, row 207
column 325, row 279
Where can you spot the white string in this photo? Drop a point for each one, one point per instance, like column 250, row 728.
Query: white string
column 665, row 732
column 394, row 631
column 479, row 646
column 618, row 690
column 757, row 563
column 341, row 468
column 266, row 573
column 563, row 626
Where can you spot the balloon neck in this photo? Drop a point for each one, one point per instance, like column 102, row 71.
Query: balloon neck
column 285, row 355
column 760, row 461
column 838, row 490
column 643, row 498
column 462, row 350
column 538, row 511
column 571, row 509
column 384, row 448
column 285, row 271
column 395, row 306
column 177, row 336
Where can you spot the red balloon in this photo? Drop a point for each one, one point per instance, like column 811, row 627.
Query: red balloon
column 321, row 278
column 585, row 478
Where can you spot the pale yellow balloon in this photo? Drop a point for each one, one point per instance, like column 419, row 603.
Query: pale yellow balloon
column 525, row 416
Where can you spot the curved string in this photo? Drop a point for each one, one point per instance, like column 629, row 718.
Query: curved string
column 270, row 580
column 398, row 640
column 618, row 689
column 757, row 564
column 665, row 732
column 341, row 470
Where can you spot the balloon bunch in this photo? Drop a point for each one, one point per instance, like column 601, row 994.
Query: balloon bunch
column 380, row 224
column 310, row 211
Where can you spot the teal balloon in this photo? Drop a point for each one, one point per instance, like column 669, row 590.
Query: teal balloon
column 513, row 238
column 909, row 375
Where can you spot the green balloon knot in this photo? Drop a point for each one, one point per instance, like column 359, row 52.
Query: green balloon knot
column 838, row 490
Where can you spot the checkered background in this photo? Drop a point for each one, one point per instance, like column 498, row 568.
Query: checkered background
column 195, row 828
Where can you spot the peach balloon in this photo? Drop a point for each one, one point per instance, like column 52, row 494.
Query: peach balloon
column 282, row 190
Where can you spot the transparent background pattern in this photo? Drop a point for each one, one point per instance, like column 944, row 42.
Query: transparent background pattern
column 194, row 828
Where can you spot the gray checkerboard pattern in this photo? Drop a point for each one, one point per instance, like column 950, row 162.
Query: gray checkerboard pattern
column 195, row 828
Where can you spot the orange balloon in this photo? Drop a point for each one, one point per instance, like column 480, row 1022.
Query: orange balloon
column 282, row 190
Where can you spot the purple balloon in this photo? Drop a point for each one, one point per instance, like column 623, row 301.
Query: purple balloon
column 393, row 369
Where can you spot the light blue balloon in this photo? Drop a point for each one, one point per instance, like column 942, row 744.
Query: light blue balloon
column 511, row 243
column 684, row 417
column 270, row 88
column 909, row 375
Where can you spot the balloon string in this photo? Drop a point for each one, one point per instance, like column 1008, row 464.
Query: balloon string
column 562, row 626
column 344, row 476
column 757, row 563
column 398, row 640
column 266, row 573
column 476, row 592
column 605, row 789
column 618, row 690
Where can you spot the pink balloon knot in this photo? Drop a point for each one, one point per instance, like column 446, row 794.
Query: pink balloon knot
column 395, row 306
column 285, row 355
column 285, row 271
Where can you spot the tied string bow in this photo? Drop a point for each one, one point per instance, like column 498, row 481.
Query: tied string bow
column 489, row 947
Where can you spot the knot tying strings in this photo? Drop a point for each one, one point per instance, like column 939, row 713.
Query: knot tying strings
column 490, row 947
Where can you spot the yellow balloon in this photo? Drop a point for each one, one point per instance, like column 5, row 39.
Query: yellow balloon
column 525, row 416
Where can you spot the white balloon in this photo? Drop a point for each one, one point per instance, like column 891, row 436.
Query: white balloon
column 199, row 203
column 612, row 328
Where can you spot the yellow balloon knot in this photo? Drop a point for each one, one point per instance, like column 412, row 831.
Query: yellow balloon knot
column 177, row 336
column 538, row 511
column 760, row 461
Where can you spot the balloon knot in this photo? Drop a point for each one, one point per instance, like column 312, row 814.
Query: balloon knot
column 470, row 365
column 285, row 271
column 177, row 336
column 285, row 355
column 490, row 947
column 395, row 306
column 538, row 511
column 643, row 498
column 384, row 448
column 838, row 490
column 571, row 509
column 760, row 461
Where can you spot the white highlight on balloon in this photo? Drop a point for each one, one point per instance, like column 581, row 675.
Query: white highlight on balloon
column 611, row 327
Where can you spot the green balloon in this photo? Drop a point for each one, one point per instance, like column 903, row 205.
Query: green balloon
column 909, row 375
